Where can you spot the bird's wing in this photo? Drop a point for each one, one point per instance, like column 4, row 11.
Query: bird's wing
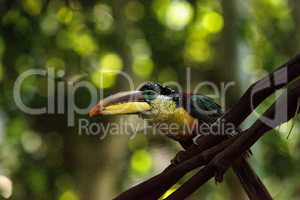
column 204, row 108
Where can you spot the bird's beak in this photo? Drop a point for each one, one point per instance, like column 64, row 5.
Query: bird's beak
column 131, row 102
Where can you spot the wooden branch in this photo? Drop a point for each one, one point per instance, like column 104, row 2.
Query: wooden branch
column 253, row 186
column 288, row 100
column 224, row 159
column 289, row 71
column 157, row 185
column 172, row 172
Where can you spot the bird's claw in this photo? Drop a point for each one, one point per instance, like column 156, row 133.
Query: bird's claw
column 220, row 167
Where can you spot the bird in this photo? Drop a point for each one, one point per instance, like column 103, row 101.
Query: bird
column 163, row 107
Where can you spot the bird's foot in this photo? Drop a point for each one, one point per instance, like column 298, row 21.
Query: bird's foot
column 220, row 166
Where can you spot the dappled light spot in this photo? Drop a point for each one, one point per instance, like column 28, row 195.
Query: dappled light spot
column 275, row 12
column 170, row 191
column 69, row 195
column 141, row 162
column 65, row 15
column 140, row 48
column 109, row 66
column 55, row 62
column 134, row 11
column 6, row 187
column 142, row 66
column 102, row 16
column 277, row 2
column 213, row 22
column 32, row 7
column 197, row 32
column 49, row 24
column 31, row 141
column 198, row 51
column 103, row 79
column 179, row 14
column 83, row 43
column 160, row 9
column 111, row 62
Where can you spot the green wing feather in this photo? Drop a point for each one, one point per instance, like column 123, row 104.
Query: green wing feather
column 205, row 109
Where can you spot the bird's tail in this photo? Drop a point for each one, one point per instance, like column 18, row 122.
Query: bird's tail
column 250, row 181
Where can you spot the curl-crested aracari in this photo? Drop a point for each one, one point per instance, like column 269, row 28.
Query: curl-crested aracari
column 162, row 105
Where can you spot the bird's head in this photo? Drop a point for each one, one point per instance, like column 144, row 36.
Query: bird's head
column 150, row 100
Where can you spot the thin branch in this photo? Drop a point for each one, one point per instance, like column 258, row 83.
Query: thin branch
column 172, row 172
column 225, row 158
column 236, row 115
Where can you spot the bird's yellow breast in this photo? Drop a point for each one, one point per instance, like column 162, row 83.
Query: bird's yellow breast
column 182, row 117
column 173, row 121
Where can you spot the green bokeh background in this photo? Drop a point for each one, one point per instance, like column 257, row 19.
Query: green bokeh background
column 218, row 40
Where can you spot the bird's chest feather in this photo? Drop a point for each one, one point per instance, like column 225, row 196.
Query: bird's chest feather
column 173, row 121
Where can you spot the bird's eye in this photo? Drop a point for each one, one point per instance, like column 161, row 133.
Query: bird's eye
column 150, row 95
column 176, row 99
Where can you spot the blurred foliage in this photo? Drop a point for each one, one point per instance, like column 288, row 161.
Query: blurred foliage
column 151, row 40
